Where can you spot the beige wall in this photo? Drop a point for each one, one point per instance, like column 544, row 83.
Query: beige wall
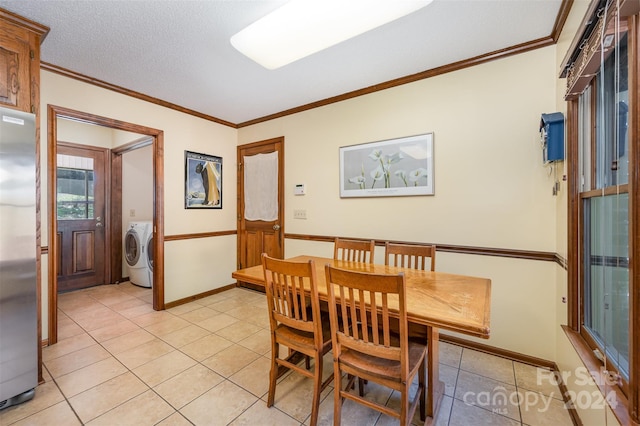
column 181, row 132
column 137, row 185
column 491, row 188
column 84, row 134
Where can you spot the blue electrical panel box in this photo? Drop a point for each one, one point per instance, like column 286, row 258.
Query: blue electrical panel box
column 552, row 137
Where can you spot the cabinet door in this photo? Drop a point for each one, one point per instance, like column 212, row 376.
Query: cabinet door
column 15, row 62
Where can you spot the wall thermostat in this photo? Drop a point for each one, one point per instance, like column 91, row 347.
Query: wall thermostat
column 299, row 189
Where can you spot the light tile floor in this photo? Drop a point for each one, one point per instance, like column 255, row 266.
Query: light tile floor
column 119, row 362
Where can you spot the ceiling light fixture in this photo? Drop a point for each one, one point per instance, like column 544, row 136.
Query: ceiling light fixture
column 303, row 27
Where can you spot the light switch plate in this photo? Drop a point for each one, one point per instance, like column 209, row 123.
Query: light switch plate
column 299, row 214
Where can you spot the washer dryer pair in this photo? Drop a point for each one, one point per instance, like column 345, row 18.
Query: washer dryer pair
column 138, row 249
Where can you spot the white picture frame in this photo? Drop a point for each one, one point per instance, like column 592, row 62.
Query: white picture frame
column 389, row 168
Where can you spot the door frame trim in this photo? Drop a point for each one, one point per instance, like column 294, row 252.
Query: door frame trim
column 55, row 112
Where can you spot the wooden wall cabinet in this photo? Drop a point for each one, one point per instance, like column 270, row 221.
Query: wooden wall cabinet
column 20, row 41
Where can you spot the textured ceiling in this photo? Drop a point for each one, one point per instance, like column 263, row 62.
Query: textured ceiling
column 179, row 51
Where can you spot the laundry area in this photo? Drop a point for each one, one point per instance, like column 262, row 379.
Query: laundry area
column 138, row 253
column 137, row 216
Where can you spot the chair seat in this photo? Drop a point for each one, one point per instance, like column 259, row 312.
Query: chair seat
column 383, row 368
column 298, row 339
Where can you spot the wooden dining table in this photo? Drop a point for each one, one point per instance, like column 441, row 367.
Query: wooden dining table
column 435, row 300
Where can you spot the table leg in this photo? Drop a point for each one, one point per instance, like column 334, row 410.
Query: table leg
column 435, row 388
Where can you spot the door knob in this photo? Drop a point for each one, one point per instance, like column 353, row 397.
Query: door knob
column 276, row 227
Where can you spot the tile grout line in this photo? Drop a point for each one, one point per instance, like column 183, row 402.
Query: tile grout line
column 490, row 378
column 515, row 381
column 96, row 297
column 66, row 400
column 455, row 386
column 116, row 359
column 225, row 379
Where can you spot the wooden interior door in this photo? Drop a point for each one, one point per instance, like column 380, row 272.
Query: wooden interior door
column 81, row 199
column 256, row 236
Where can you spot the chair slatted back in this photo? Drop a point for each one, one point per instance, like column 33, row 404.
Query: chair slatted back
column 354, row 250
column 295, row 321
column 410, row 256
column 287, row 285
column 363, row 300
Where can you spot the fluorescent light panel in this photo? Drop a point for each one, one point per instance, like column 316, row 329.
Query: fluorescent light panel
column 303, row 27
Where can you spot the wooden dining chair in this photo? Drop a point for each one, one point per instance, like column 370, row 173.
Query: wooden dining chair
column 354, row 250
column 295, row 322
column 410, row 256
column 415, row 257
column 364, row 347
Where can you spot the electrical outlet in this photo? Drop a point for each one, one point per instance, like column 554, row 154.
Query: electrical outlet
column 299, row 214
column 132, row 213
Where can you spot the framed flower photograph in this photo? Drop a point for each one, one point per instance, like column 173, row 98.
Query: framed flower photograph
column 389, row 168
column 203, row 181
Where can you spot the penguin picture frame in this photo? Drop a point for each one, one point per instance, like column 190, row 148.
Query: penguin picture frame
column 203, row 181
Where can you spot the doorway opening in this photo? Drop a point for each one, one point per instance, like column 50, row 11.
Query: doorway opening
column 112, row 218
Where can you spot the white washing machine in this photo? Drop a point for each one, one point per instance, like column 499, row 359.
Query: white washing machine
column 138, row 253
column 149, row 255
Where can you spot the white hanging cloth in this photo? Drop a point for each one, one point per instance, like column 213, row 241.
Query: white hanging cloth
column 261, row 187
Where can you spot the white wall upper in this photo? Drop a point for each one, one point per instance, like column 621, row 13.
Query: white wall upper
column 84, row 134
column 491, row 188
column 137, row 185
column 181, row 132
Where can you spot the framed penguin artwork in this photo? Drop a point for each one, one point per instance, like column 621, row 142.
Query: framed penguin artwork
column 203, row 181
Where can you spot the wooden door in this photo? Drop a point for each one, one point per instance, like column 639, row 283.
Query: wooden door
column 260, row 236
column 80, row 180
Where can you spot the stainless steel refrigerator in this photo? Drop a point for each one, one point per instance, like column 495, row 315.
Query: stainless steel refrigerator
column 18, row 297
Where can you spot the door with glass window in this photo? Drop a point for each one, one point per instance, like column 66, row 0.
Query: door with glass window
column 80, row 205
